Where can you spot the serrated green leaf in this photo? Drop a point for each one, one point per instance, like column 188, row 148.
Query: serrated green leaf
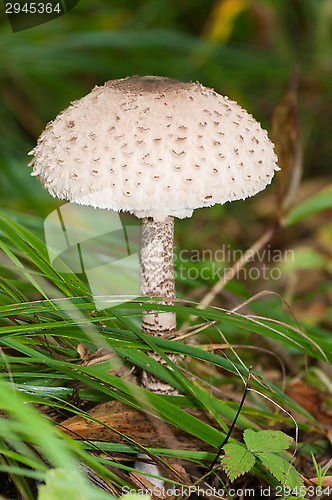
column 237, row 460
column 268, row 441
column 282, row 470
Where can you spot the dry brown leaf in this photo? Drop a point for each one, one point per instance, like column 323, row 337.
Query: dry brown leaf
column 326, row 481
column 142, row 482
column 145, row 486
column 147, row 430
column 285, row 133
column 329, row 435
column 311, row 400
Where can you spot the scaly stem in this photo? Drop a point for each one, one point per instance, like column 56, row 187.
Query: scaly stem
column 157, row 280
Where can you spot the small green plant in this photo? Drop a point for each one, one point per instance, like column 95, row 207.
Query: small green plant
column 321, row 473
column 268, row 448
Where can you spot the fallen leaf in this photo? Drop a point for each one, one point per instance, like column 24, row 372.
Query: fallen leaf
column 311, row 400
column 285, row 134
column 144, row 486
column 147, row 430
column 329, row 435
column 326, row 481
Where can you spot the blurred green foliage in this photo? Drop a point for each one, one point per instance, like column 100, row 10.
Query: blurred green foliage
column 243, row 48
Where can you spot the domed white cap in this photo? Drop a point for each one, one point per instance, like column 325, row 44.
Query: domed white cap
column 155, row 147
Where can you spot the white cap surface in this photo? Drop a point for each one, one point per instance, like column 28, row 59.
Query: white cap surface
column 155, row 147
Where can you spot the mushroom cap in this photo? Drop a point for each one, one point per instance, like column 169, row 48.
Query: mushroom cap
column 155, row 147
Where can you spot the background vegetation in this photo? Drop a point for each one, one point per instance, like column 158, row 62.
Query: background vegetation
column 246, row 49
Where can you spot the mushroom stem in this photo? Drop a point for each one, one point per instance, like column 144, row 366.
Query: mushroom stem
column 157, row 280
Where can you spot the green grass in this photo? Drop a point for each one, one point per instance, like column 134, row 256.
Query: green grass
column 40, row 363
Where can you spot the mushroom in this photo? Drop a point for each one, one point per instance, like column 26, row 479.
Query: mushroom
column 158, row 148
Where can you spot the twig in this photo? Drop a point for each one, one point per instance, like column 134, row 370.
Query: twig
column 231, row 427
